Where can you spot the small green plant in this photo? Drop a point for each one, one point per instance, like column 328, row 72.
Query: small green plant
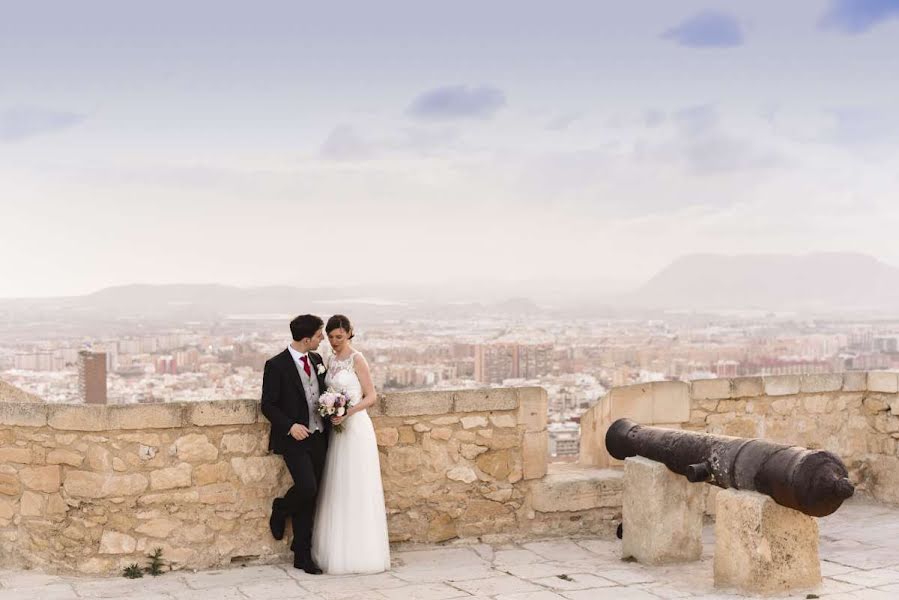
column 133, row 571
column 156, row 563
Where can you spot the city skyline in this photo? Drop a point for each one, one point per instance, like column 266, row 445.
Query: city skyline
column 444, row 143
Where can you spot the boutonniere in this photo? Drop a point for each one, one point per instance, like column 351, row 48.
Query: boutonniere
column 321, row 369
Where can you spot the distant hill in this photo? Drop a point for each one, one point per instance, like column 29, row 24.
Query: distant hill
column 829, row 281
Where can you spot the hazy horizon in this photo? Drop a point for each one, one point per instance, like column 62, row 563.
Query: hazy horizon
column 293, row 143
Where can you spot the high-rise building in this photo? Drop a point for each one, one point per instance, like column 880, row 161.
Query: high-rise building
column 92, row 377
column 494, row 363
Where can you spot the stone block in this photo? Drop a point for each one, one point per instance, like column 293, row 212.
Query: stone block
column 535, row 453
column 462, row 473
column 20, row 456
column 592, row 451
column 239, row 443
column 87, row 484
column 61, row 456
column 406, row 435
column 710, row 389
column 485, row 400
column 257, row 469
column 159, row 528
column 214, row 473
column 195, row 447
column 748, row 387
column 812, row 384
column 144, row 416
column 497, row 464
column 73, row 417
column 42, row 479
column 631, row 401
column 855, row 381
column 19, row 414
column 113, row 542
column 418, row 403
column 781, row 385
column 473, row 421
column 8, row 508
column 388, row 436
column 661, row 514
column 532, row 408
column 670, row 402
column 503, row 420
column 762, row 547
column 883, row 381
column 9, row 484
column 170, row 478
column 883, row 474
column 575, row 488
column 32, row 504
column 222, row 412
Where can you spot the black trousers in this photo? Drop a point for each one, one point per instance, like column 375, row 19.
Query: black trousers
column 306, row 461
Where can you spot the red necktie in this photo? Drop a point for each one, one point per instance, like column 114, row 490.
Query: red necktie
column 305, row 360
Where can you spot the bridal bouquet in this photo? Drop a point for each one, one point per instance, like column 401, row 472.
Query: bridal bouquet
column 333, row 404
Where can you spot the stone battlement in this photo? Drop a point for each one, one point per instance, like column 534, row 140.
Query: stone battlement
column 854, row 414
column 91, row 488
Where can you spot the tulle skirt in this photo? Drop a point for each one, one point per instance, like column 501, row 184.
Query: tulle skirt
column 350, row 533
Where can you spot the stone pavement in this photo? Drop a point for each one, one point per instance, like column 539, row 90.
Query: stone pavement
column 859, row 549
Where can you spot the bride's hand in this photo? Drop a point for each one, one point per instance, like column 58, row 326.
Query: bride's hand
column 337, row 420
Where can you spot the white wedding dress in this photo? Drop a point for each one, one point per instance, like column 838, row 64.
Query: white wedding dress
column 350, row 533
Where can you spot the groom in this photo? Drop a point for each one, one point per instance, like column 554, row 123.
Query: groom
column 291, row 384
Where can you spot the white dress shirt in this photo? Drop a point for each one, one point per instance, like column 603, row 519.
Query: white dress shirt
column 310, row 386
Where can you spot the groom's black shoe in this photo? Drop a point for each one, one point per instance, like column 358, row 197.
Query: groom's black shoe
column 306, row 564
column 278, row 521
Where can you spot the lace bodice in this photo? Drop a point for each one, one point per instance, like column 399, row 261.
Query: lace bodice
column 341, row 376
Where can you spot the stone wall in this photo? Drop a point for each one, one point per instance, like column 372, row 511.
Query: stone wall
column 91, row 488
column 855, row 415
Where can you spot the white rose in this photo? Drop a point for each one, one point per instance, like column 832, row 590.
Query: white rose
column 340, row 411
column 321, row 369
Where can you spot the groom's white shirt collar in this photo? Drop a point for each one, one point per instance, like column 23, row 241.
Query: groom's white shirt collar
column 296, row 354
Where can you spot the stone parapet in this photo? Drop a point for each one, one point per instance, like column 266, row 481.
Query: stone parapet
column 853, row 414
column 90, row 488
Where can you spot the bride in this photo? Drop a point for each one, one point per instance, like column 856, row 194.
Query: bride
column 350, row 534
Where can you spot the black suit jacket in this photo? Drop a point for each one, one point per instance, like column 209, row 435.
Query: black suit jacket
column 284, row 399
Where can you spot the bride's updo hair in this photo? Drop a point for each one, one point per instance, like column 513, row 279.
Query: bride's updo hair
column 340, row 322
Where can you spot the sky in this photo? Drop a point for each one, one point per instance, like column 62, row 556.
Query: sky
column 318, row 144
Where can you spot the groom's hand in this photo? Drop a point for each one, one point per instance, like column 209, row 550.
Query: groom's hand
column 299, row 432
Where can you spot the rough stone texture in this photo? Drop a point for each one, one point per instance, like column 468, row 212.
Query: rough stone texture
column 745, row 387
column 879, row 381
column 661, row 514
column 830, row 382
column 762, row 547
column 710, row 389
column 92, row 487
column 535, row 447
column 567, row 489
column 781, row 385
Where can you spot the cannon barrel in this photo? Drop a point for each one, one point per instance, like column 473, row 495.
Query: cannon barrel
column 814, row 482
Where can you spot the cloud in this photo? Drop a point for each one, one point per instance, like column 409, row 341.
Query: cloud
column 705, row 148
column 707, row 29
column 858, row 16
column 562, row 122
column 344, row 143
column 457, row 102
column 696, row 120
column 24, row 122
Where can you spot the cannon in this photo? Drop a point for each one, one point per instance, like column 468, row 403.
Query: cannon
column 814, row 482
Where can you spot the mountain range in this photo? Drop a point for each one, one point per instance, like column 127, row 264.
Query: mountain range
column 814, row 282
